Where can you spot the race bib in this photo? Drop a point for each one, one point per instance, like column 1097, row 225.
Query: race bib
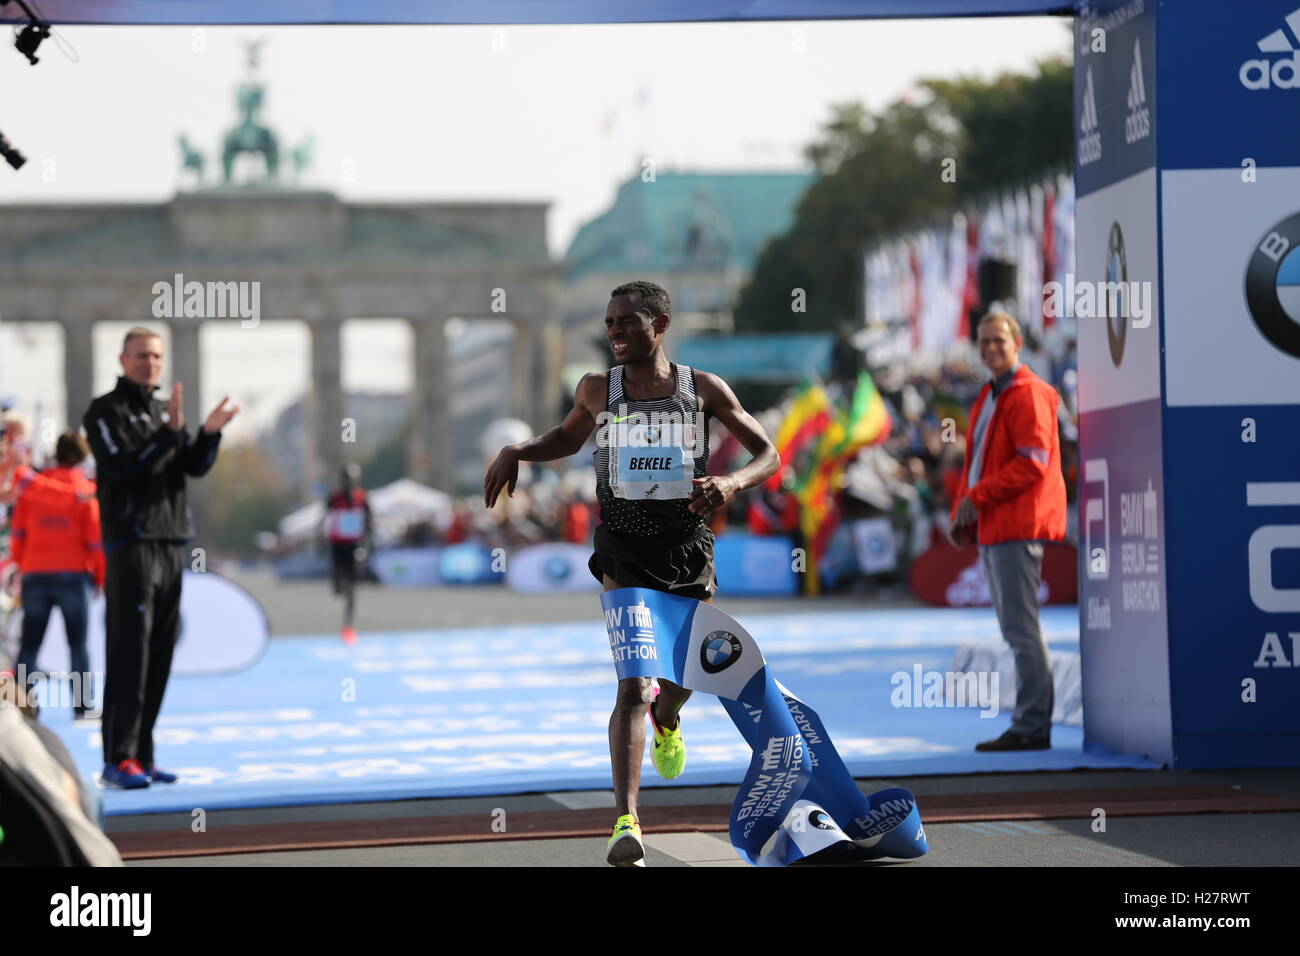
column 348, row 524
column 652, row 461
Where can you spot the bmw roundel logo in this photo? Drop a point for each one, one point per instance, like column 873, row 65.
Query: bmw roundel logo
column 556, row 568
column 821, row 820
column 1273, row 285
column 719, row 651
column 651, row 435
column 1117, row 272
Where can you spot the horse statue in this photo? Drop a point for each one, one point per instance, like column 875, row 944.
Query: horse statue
column 301, row 156
column 250, row 136
column 191, row 159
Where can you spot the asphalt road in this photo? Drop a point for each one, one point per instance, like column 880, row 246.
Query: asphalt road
column 1195, row 840
column 1176, row 840
column 309, row 607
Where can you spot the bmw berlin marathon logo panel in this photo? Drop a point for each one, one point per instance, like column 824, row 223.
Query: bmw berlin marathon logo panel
column 718, row 651
column 1273, row 285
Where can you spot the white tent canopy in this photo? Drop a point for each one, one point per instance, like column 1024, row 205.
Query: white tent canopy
column 394, row 507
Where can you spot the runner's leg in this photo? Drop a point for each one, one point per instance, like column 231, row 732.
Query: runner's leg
column 671, row 698
column 336, row 571
column 627, row 734
column 349, row 591
column 627, row 726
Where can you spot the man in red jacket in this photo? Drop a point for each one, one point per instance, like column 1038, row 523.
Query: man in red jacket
column 1011, row 499
column 56, row 544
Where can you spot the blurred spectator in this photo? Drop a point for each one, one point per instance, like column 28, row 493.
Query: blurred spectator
column 1012, row 500
column 15, row 458
column 47, row 816
column 56, row 544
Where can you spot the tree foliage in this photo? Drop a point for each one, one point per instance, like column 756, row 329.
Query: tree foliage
column 244, row 493
column 881, row 173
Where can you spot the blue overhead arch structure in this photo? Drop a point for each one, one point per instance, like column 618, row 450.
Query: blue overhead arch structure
column 1187, row 171
column 215, row 12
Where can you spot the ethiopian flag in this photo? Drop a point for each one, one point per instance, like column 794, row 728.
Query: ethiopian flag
column 807, row 418
column 867, row 423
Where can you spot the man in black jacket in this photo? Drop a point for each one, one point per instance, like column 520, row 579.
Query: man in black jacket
column 142, row 457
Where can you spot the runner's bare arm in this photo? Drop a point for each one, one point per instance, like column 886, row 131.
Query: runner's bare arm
column 720, row 401
column 563, row 440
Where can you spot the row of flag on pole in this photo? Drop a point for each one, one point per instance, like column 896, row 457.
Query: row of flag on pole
column 816, row 442
column 924, row 283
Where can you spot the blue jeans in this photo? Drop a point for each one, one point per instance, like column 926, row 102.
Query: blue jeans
column 69, row 591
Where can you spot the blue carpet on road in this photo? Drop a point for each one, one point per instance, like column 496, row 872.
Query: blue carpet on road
column 518, row 709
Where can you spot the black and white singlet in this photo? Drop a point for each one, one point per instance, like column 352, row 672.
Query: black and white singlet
column 647, row 452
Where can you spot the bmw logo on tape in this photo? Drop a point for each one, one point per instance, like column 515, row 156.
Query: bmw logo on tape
column 1273, row 285
column 821, row 819
column 1117, row 276
column 719, row 651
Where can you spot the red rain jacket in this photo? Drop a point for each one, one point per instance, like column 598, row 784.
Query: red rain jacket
column 1020, row 495
column 56, row 525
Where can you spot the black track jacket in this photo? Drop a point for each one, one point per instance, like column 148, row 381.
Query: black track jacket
column 141, row 464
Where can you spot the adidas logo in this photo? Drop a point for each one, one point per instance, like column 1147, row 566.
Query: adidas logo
column 1090, row 136
column 1137, row 125
column 1282, row 73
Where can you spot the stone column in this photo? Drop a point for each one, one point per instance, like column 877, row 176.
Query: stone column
column 550, row 385
column 185, row 368
column 327, row 412
column 523, row 357
column 431, row 446
column 536, row 370
column 78, row 368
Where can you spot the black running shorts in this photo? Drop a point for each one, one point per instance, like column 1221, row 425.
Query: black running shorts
column 684, row 569
column 343, row 555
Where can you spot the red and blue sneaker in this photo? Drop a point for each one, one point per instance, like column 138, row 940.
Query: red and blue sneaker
column 157, row 775
column 127, row 775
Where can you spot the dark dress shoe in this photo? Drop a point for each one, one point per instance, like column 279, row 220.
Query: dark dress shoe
column 1013, row 741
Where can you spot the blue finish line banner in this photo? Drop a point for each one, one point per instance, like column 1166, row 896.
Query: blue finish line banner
column 797, row 799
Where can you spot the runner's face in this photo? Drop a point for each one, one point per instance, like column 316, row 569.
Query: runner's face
column 632, row 334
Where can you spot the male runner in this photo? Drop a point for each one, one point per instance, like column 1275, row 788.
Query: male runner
column 655, row 498
column 348, row 526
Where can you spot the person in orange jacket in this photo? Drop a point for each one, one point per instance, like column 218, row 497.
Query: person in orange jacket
column 56, row 544
column 1011, row 499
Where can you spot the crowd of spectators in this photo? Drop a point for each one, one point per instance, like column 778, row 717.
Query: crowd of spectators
column 48, row 816
column 910, row 478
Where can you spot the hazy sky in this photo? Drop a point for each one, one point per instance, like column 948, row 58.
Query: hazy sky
column 559, row 114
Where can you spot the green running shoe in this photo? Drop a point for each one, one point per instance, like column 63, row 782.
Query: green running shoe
column 625, row 847
column 669, row 752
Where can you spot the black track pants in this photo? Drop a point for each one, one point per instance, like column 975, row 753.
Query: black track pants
column 143, row 595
